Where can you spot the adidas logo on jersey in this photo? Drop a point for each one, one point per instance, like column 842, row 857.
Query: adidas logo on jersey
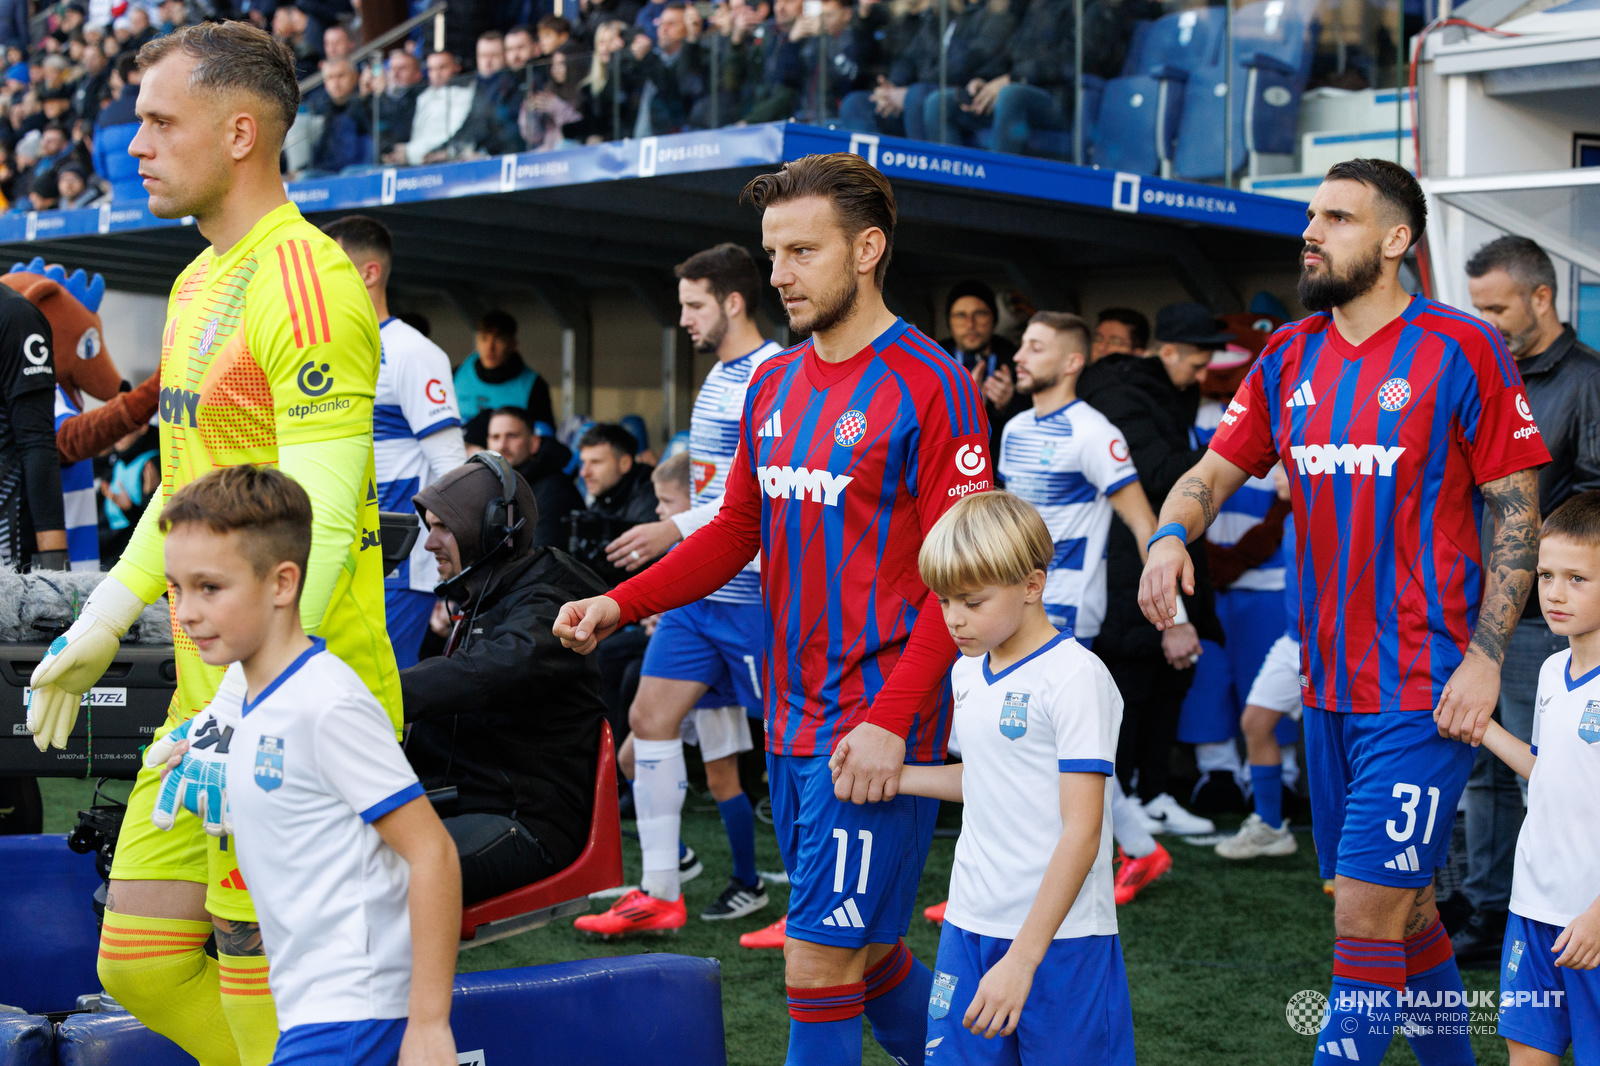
column 772, row 427
column 1352, row 458
column 1340, row 1049
column 1301, row 397
column 798, row 483
column 846, row 916
column 1406, row 860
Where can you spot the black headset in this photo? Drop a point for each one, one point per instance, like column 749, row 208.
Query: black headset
column 500, row 521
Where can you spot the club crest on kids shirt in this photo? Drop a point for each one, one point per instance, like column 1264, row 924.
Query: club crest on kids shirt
column 942, row 995
column 1589, row 723
column 851, row 427
column 269, row 762
column 1014, row 715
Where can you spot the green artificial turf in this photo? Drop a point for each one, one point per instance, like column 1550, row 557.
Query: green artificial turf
column 1214, row 950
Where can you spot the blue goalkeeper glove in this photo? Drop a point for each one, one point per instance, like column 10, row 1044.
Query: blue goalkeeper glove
column 199, row 783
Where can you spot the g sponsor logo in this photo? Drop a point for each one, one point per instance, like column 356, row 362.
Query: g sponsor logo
column 970, row 461
column 314, row 379
column 434, row 391
column 35, row 350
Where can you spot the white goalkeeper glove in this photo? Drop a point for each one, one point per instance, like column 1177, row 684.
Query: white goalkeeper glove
column 199, row 783
column 76, row 660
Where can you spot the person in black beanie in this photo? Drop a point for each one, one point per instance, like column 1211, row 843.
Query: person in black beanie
column 971, row 314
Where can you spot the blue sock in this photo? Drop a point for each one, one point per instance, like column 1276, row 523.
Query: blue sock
column 825, row 1026
column 683, row 850
column 740, row 822
column 897, row 1005
column 1437, row 1022
column 1267, row 784
column 1368, row 976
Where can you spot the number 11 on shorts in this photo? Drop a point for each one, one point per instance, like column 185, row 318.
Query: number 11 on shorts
column 1409, row 796
column 842, row 838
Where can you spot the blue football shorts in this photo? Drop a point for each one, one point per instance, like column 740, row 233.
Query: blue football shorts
column 369, row 1043
column 853, row 870
column 720, row 645
column 1077, row 1011
column 1384, row 789
column 1543, row 1005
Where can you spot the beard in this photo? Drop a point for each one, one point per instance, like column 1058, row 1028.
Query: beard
column 711, row 340
column 1519, row 343
column 1327, row 288
column 1037, row 384
column 831, row 308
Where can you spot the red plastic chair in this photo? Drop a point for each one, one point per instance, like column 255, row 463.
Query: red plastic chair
column 599, row 867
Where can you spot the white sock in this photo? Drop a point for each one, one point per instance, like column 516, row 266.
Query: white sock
column 1222, row 755
column 659, row 786
column 1291, row 768
column 1127, row 824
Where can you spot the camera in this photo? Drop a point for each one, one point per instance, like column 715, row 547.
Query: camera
column 588, row 535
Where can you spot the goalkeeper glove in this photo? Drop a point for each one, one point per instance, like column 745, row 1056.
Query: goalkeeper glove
column 199, row 783
column 76, row 660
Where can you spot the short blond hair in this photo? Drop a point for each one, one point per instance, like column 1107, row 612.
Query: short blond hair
column 674, row 470
column 989, row 538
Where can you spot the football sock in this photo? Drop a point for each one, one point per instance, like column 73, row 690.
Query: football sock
column 247, row 1002
column 1368, row 977
column 683, row 851
column 1221, row 755
column 1266, row 783
column 740, row 822
column 1436, row 1029
column 825, row 1025
column 1291, row 768
column 1127, row 824
column 660, row 782
column 158, row 969
column 897, row 991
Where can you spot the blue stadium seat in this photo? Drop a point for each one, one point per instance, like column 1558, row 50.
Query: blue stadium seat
column 115, row 1039
column 664, row 1009
column 26, row 1040
column 1138, row 113
column 48, row 934
column 1274, row 41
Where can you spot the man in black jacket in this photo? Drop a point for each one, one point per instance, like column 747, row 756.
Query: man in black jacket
column 621, row 494
column 1153, row 400
column 1513, row 284
column 972, row 313
column 507, row 716
column 542, row 461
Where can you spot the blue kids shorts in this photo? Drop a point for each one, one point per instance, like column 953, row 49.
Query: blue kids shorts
column 1384, row 789
column 720, row 645
column 853, row 870
column 370, row 1043
column 1543, row 1005
column 1077, row 1010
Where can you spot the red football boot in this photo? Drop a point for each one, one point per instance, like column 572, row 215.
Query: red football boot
column 1135, row 874
column 772, row 936
column 636, row 912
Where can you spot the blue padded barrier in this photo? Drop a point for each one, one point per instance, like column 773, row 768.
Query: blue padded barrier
column 115, row 1039
column 48, row 934
column 25, row 1040
column 662, row 1009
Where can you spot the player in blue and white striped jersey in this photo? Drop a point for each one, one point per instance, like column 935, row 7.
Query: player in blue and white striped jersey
column 416, row 429
column 708, row 653
column 78, row 499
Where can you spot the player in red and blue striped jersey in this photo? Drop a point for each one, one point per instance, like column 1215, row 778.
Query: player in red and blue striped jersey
column 851, row 446
column 1396, row 418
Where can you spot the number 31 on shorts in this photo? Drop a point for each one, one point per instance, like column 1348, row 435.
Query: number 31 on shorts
column 1409, row 796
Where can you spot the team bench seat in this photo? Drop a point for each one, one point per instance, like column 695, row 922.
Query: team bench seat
column 49, row 937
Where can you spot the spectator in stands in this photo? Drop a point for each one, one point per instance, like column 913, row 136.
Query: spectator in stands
column 1153, row 401
column 769, row 66
column 496, row 376
column 521, row 50
column 90, row 90
column 592, row 14
column 114, row 131
column 972, row 314
column 290, row 25
column 336, row 43
column 648, row 20
column 346, row 138
column 54, row 146
column 1513, row 284
column 43, row 192
column 1121, row 330
column 76, row 187
column 534, row 452
column 506, row 716
column 554, row 33
column 896, row 106
column 600, row 95
column 14, row 23
column 848, row 48
column 174, row 16
column 441, row 110
column 977, row 54
column 552, row 117
column 400, row 86
column 496, row 85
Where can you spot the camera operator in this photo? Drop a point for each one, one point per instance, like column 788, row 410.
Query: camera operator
column 507, row 716
column 620, row 496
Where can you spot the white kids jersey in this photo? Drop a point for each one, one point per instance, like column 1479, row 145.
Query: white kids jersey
column 1057, row 711
column 713, row 439
column 1558, row 851
column 1066, row 464
column 416, row 398
column 312, row 764
column 1242, row 511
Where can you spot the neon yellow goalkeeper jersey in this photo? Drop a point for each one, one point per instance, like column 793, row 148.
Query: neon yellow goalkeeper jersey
column 272, row 344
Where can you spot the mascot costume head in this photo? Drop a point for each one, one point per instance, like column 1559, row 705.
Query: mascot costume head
column 72, row 305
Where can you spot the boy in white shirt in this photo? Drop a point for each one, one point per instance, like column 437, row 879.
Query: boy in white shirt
column 1549, row 987
column 1032, row 921
column 332, row 831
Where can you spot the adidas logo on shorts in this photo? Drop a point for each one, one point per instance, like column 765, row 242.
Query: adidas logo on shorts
column 1340, row 1049
column 1406, row 860
column 847, row 916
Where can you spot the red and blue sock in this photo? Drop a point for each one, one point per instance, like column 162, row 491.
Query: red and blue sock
column 1368, row 977
column 740, row 822
column 897, row 990
column 1266, row 783
column 1437, row 1023
column 825, row 1025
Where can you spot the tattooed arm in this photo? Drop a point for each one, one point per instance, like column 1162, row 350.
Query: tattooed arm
column 1192, row 504
column 1470, row 696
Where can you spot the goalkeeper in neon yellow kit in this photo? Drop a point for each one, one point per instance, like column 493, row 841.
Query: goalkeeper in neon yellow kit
column 269, row 356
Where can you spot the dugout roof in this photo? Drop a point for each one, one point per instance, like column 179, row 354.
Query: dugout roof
column 621, row 214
